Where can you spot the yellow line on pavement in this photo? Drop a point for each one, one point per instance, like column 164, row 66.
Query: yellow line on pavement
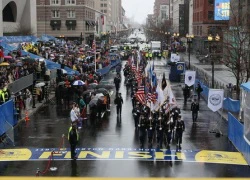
column 84, row 178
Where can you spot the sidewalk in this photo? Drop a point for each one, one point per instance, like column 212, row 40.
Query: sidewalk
column 32, row 110
column 221, row 72
column 222, row 75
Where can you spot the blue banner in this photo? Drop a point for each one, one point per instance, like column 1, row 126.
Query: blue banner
column 228, row 103
column 204, row 156
column 221, row 10
column 7, row 116
column 236, row 136
column 18, row 39
column 104, row 70
column 46, row 37
column 231, row 105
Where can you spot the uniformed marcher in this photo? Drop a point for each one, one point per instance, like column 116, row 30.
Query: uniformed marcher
column 195, row 109
column 159, row 130
column 73, row 138
column 180, row 128
column 168, row 128
column 118, row 103
column 151, row 130
column 136, row 114
column 142, row 130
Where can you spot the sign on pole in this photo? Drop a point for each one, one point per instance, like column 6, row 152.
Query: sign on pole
column 174, row 57
column 190, row 78
column 215, row 99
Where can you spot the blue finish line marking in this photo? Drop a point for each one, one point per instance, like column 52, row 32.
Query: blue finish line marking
column 205, row 156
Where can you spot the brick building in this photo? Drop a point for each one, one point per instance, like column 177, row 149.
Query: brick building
column 204, row 24
column 66, row 18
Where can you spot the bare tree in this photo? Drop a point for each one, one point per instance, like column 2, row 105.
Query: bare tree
column 236, row 45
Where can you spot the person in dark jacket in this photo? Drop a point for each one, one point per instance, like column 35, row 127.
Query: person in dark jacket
column 195, row 109
column 73, row 138
column 179, row 128
column 199, row 90
column 117, row 82
column 118, row 103
column 186, row 93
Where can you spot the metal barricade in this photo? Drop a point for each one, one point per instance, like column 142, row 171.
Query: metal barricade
column 21, row 83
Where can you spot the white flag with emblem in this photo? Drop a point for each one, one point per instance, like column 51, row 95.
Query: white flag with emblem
column 215, row 99
column 190, row 78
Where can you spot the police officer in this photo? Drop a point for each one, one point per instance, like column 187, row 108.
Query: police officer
column 159, row 130
column 136, row 114
column 168, row 128
column 133, row 98
column 150, row 130
column 175, row 112
column 142, row 129
column 73, row 138
column 195, row 109
column 180, row 128
column 118, row 103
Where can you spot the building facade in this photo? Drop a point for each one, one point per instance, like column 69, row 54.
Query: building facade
column 204, row 24
column 66, row 18
column 161, row 11
column 104, row 6
column 18, row 17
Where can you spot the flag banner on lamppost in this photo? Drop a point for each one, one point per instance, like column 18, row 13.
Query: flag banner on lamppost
column 215, row 99
column 190, row 78
column 174, row 57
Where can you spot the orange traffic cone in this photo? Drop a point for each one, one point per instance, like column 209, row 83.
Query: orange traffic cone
column 26, row 116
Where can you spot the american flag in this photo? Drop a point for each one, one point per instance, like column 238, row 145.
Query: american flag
column 140, row 94
column 94, row 45
column 133, row 67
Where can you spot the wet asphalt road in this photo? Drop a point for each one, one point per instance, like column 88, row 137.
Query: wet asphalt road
column 50, row 122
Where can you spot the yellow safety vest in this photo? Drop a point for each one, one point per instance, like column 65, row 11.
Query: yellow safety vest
column 76, row 133
column 150, row 55
column 5, row 93
column 146, row 55
column 2, row 95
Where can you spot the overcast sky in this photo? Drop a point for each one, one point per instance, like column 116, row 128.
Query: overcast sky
column 138, row 9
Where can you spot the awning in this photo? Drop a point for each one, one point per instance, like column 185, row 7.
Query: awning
column 70, row 22
column 88, row 23
column 55, row 22
column 246, row 86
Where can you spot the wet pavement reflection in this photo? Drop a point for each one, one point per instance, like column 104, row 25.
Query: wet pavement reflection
column 47, row 126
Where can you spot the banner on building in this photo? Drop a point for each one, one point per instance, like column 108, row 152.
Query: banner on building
column 221, row 10
column 174, row 58
column 215, row 99
column 190, row 78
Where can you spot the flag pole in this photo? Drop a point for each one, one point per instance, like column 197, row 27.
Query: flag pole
column 95, row 52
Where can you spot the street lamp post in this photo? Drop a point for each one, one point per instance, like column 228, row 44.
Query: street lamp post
column 167, row 34
column 189, row 41
column 211, row 40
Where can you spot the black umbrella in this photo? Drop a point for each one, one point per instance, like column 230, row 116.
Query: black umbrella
column 92, row 86
column 103, row 91
column 105, row 86
column 94, row 102
column 87, row 92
